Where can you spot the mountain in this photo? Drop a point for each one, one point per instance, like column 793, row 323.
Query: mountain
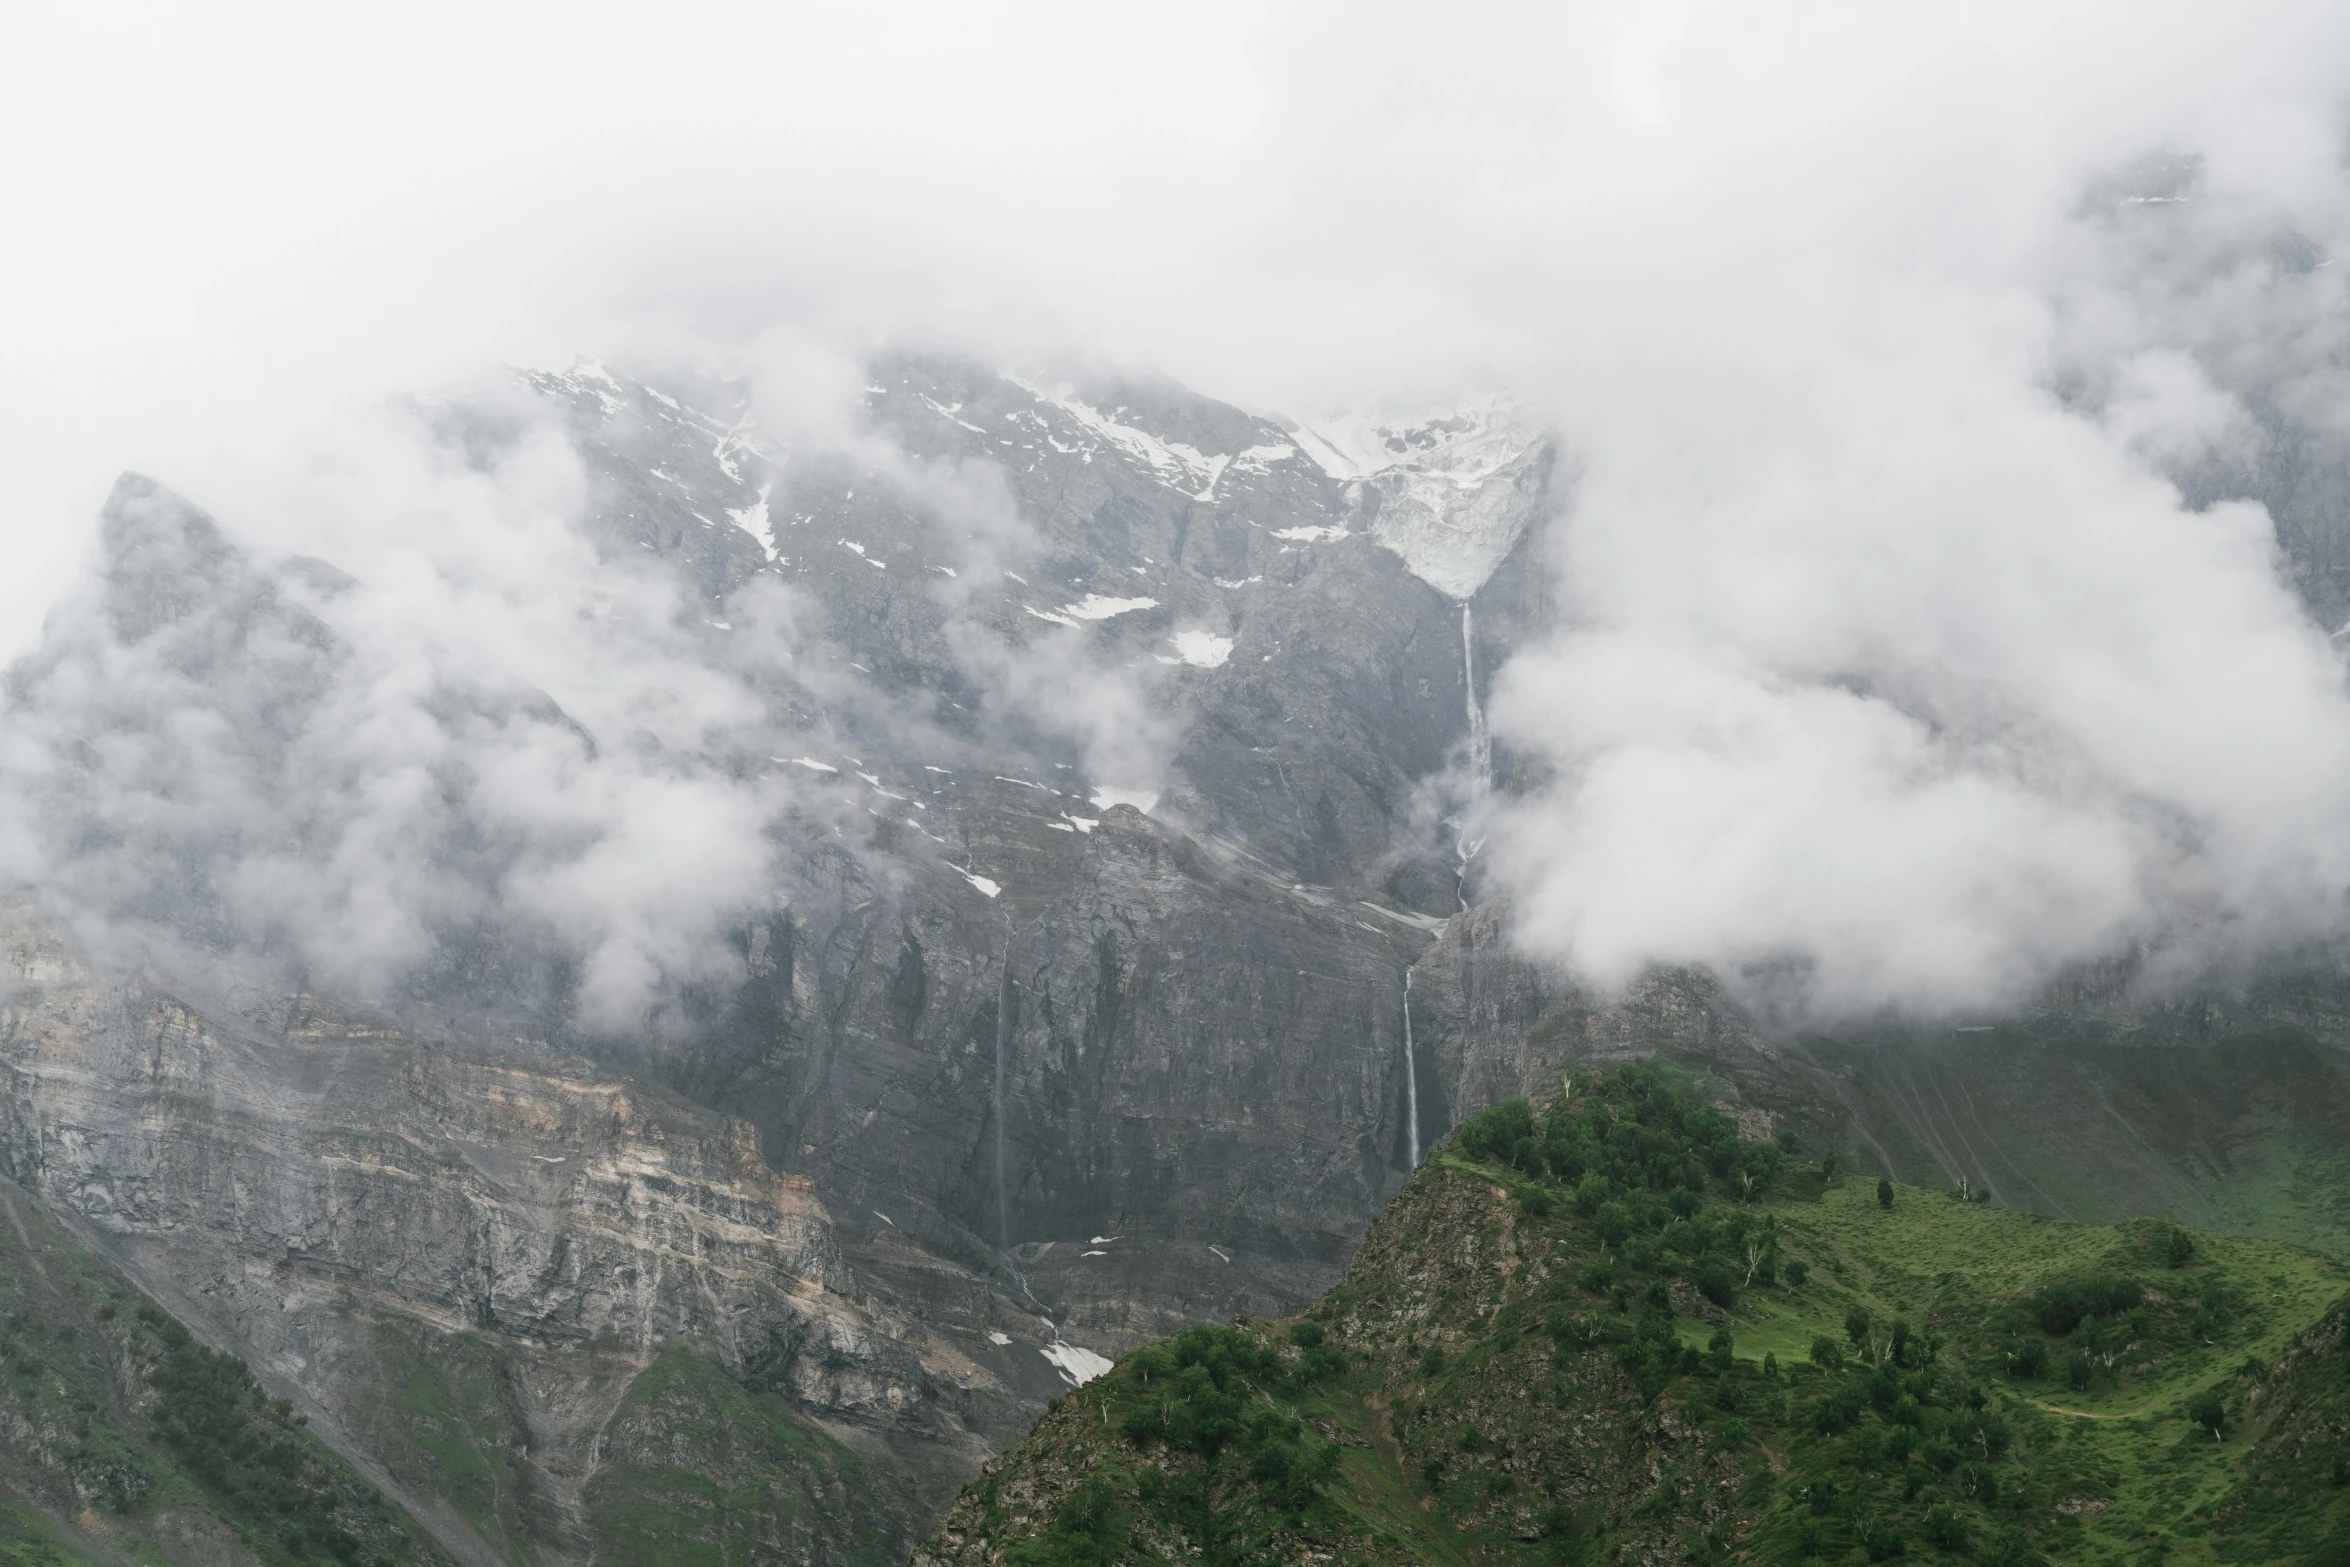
column 1014, row 1076
column 985, row 893
column 1616, row 1331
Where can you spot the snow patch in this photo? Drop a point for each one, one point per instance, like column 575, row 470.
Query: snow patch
column 948, row 411
column 1457, row 485
column 1258, row 458
column 1095, row 607
column 1141, row 799
column 987, row 886
column 753, row 520
column 1184, row 469
column 1077, row 1365
column 809, row 762
column 999, row 1340
column 858, row 550
column 1312, row 535
column 1202, row 649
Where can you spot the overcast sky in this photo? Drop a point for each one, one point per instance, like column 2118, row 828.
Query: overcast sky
column 1878, row 651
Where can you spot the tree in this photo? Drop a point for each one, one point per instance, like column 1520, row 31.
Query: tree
column 1856, row 1325
column 2178, row 1248
column 1828, row 1166
column 1721, row 1349
column 1827, row 1354
column 1884, row 1192
column 2206, row 1410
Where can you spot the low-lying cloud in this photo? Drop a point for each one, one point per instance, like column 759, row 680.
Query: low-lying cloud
column 1936, row 382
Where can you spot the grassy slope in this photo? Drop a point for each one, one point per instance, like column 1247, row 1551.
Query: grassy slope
column 122, row 1440
column 700, row 1472
column 1470, row 1431
column 2250, row 1136
column 695, row 1471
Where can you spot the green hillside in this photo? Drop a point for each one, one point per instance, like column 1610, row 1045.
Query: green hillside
column 2250, row 1135
column 123, row 1439
column 1612, row 1332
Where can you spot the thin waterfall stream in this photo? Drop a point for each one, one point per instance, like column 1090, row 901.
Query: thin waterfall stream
column 1411, row 1076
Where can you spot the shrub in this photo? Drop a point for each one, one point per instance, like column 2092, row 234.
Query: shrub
column 2178, row 1248
column 2078, row 1372
column 1884, row 1192
column 1496, row 1134
column 1088, row 1529
column 1944, row 1529
column 1798, row 1272
column 1879, row 1536
column 2012, row 1549
column 1835, row 1410
column 2206, row 1410
column 2059, row 1308
column 1716, row 1282
column 1827, row 1354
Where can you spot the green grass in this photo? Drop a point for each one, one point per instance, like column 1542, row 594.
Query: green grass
column 699, row 1471
column 2248, row 1136
column 450, row 1428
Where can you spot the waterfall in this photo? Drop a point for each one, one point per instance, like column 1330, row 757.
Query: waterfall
column 1411, row 1074
column 1480, row 758
column 1480, row 743
column 1004, row 1001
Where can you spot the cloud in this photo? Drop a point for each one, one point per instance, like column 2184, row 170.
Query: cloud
column 1892, row 656
column 482, row 732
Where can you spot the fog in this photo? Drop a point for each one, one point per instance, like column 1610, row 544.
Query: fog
column 1897, row 667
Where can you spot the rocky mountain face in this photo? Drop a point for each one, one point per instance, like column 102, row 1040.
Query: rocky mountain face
column 1099, row 750
column 1112, row 747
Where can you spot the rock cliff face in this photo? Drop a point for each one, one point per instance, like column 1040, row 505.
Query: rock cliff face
column 1073, row 1013
column 349, row 1204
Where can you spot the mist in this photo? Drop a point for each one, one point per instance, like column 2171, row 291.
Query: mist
column 1917, row 642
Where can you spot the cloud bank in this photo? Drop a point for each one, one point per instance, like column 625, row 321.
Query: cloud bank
column 1918, row 638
